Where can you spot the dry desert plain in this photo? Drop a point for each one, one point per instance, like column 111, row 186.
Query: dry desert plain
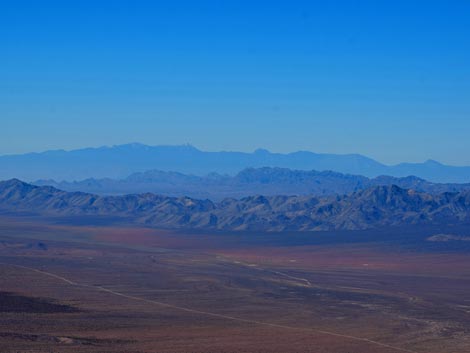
column 106, row 287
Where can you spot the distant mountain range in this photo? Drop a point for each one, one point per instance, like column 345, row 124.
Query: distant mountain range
column 118, row 162
column 373, row 207
column 264, row 181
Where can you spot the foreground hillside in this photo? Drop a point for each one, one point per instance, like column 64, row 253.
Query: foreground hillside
column 373, row 207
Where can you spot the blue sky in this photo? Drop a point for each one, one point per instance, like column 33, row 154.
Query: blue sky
column 388, row 79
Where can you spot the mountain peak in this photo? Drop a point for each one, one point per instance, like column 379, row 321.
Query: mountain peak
column 433, row 162
column 262, row 151
column 133, row 145
column 13, row 183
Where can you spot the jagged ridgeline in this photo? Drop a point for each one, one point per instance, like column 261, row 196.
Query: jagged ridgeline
column 372, row 207
column 250, row 181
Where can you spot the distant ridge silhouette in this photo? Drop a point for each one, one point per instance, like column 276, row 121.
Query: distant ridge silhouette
column 266, row 181
column 123, row 160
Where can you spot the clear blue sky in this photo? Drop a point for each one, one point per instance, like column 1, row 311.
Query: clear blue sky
column 388, row 79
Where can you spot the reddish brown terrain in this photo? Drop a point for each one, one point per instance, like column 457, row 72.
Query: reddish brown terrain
column 113, row 288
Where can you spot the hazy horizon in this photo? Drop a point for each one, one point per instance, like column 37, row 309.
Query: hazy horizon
column 389, row 81
column 226, row 150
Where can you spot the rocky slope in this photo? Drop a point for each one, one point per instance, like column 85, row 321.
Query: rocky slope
column 372, row 207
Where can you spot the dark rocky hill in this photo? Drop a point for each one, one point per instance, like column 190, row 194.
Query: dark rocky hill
column 376, row 206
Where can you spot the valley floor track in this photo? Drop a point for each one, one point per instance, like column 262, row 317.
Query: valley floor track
column 212, row 314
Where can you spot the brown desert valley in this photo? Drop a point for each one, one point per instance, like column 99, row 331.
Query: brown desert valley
column 108, row 287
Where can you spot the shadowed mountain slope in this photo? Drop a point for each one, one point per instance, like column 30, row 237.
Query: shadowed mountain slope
column 374, row 207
